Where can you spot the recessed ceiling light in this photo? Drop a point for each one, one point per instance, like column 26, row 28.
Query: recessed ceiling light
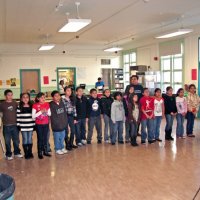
column 46, row 47
column 176, row 33
column 113, row 49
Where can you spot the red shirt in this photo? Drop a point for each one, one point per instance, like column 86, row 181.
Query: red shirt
column 147, row 105
column 41, row 118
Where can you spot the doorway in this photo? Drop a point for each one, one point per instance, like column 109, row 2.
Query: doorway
column 30, row 81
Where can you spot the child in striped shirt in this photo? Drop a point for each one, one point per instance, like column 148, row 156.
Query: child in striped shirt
column 26, row 123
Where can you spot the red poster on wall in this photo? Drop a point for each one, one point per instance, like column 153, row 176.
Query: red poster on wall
column 46, row 80
column 194, row 74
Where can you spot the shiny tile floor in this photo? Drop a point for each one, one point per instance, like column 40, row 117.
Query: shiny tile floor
column 161, row 171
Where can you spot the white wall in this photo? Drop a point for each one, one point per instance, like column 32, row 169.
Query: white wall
column 88, row 68
column 146, row 54
column 191, row 57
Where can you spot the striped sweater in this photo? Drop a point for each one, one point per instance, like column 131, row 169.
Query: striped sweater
column 24, row 119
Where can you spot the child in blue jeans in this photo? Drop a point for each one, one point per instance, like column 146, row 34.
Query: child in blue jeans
column 58, row 122
column 147, row 117
column 10, row 131
column 118, row 118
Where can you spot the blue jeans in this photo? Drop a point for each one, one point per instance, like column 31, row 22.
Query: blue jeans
column 147, row 126
column 72, row 130
column 94, row 121
column 190, row 123
column 117, row 131
column 11, row 133
column 108, row 124
column 59, row 138
column 80, row 130
column 133, row 129
column 169, row 126
column 27, row 137
column 180, row 128
column 157, row 123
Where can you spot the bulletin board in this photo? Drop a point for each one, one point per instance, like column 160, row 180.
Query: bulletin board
column 68, row 75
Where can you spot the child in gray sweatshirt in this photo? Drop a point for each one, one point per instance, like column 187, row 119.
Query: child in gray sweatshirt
column 118, row 118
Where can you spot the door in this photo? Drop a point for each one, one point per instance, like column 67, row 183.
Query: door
column 30, row 80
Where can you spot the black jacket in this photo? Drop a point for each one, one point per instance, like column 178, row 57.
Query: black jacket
column 106, row 103
column 81, row 107
column 170, row 104
column 94, row 107
column 58, row 116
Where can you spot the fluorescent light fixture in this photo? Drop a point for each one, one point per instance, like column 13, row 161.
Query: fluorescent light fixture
column 174, row 34
column 74, row 25
column 46, row 47
column 113, row 49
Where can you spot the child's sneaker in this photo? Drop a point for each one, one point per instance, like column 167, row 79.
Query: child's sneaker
column 151, row 141
column 99, row 142
column 9, row 158
column 19, row 155
column 121, row 142
column 107, row 141
column 143, row 142
column 113, row 143
column 80, row 144
column 59, row 152
column 64, row 151
column 84, row 142
column 88, row 142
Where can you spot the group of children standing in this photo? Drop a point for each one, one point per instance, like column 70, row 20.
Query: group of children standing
column 70, row 113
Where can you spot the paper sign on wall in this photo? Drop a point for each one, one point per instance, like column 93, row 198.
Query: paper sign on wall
column 194, row 74
column 46, row 80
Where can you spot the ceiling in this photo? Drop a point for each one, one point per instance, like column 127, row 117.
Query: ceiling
column 24, row 24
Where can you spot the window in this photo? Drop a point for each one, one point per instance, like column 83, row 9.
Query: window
column 172, row 71
column 129, row 59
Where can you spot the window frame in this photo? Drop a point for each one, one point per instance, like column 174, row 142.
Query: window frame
column 129, row 63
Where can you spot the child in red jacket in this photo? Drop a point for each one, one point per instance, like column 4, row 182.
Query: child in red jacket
column 147, row 117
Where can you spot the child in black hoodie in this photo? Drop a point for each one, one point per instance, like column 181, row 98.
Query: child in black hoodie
column 170, row 112
column 94, row 115
column 106, row 102
column 58, row 122
column 81, row 109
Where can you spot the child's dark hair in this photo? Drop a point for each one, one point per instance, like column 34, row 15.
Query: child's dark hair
column 105, row 91
column 21, row 103
column 157, row 90
column 78, row 88
column 135, row 76
column 127, row 92
column 7, row 91
column 169, row 88
column 61, row 81
column 72, row 98
column 145, row 89
column 179, row 90
column 67, row 87
column 192, row 85
column 131, row 100
column 117, row 94
column 39, row 95
column 54, row 93
column 93, row 90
